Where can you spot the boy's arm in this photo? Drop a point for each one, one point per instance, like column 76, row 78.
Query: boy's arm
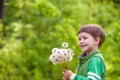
column 78, row 77
column 96, row 69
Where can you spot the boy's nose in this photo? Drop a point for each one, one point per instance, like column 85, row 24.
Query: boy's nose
column 80, row 42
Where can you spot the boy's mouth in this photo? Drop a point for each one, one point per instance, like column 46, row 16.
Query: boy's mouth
column 82, row 46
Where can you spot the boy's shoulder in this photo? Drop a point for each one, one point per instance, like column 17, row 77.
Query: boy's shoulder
column 97, row 59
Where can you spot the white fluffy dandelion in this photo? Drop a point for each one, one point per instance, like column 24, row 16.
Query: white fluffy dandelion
column 65, row 44
column 61, row 55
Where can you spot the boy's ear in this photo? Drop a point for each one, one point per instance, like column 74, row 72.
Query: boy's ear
column 97, row 40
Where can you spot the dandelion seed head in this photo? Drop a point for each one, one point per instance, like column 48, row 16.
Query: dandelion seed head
column 65, row 44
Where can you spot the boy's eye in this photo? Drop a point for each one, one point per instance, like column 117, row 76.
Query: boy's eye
column 84, row 37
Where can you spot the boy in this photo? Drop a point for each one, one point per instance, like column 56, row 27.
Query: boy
column 91, row 66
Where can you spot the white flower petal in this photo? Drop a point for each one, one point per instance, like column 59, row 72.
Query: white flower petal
column 54, row 50
column 65, row 44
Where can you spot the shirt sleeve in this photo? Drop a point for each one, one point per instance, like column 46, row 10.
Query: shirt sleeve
column 95, row 70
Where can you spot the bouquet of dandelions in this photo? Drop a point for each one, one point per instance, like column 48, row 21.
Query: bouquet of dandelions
column 62, row 56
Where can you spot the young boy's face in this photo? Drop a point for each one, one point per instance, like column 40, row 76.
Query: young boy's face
column 87, row 42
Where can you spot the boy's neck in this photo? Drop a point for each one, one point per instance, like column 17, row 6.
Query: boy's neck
column 96, row 48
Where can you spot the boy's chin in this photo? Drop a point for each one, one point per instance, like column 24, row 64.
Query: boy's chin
column 84, row 51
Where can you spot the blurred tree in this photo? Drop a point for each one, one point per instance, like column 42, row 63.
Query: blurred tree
column 1, row 21
column 34, row 27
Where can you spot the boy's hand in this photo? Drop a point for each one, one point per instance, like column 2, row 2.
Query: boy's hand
column 67, row 74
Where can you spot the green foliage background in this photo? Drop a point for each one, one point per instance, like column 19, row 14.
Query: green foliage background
column 34, row 27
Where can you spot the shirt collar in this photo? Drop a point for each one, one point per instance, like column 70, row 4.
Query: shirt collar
column 84, row 57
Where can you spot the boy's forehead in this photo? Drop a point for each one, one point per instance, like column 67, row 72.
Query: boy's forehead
column 84, row 34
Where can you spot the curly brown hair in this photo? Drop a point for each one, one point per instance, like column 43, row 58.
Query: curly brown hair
column 95, row 30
